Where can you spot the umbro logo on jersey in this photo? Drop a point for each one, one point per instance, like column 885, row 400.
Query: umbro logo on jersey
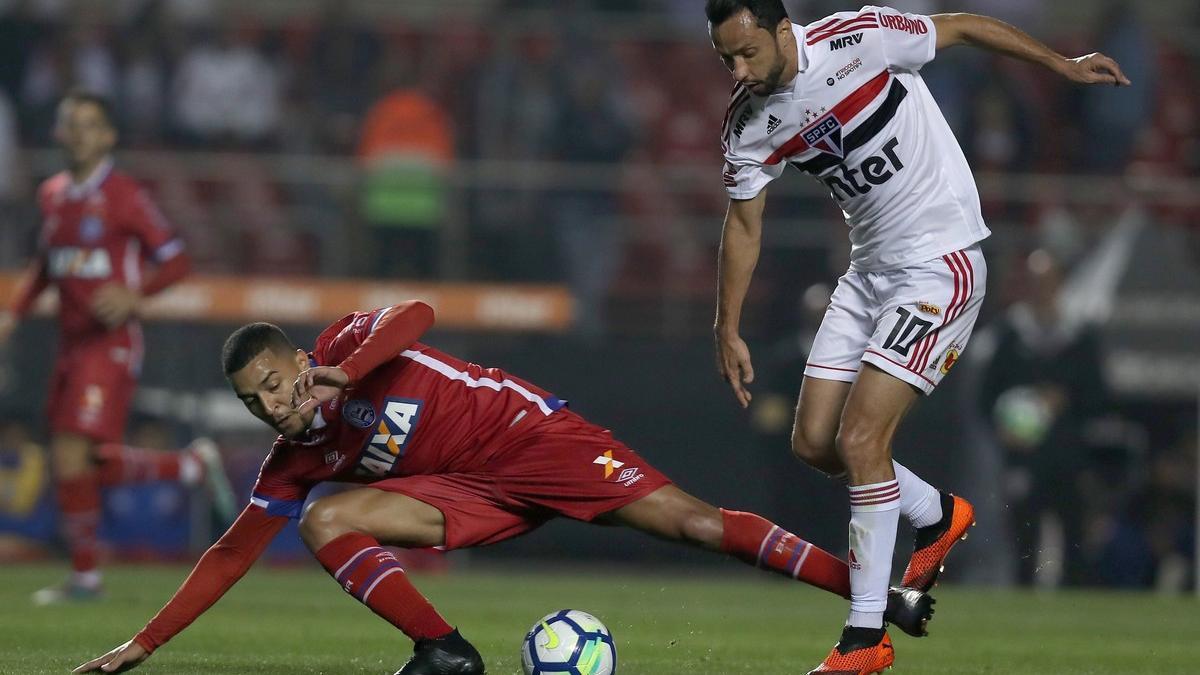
column 846, row 41
column 825, row 135
column 630, row 475
column 773, row 123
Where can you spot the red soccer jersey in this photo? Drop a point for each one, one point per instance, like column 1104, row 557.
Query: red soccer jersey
column 99, row 231
column 423, row 412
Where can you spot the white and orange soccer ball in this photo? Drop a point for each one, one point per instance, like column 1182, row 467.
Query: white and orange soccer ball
column 569, row 641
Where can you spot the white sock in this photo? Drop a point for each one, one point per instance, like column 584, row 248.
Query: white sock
column 919, row 501
column 874, row 514
column 88, row 579
column 190, row 469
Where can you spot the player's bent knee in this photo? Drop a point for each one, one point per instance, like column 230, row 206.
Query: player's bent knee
column 811, row 446
column 860, row 445
column 322, row 522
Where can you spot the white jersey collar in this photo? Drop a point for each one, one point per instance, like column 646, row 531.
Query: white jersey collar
column 318, row 421
column 793, row 90
column 92, row 182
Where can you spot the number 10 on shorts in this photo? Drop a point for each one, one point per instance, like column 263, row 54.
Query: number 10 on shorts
column 908, row 331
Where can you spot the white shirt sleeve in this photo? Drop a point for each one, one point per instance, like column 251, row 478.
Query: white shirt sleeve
column 745, row 178
column 909, row 40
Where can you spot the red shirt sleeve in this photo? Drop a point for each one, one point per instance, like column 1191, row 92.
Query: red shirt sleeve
column 166, row 250
column 168, row 272
column 35, row 280
column 217, row 570
column 32, row 284
column 372, row 339
column 281, row 489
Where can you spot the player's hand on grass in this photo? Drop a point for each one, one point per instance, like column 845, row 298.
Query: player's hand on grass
column 733, row 364
column 119, row 660
column 318, row 385
column 115, row 303
column 1094, row 68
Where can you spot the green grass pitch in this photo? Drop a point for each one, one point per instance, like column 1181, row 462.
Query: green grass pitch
column 290, row 621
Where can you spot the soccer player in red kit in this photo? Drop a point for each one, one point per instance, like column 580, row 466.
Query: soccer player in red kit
column 98, row 230
column 451, row 454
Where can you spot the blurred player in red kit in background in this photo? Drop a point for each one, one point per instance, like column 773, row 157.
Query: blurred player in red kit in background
column 99, row 229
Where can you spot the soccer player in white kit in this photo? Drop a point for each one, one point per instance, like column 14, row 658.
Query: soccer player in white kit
column 841, row 99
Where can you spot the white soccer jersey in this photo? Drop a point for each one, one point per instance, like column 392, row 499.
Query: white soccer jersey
column 860, row 119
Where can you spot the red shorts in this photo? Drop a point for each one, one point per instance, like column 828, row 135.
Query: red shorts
column 565, row 466
column 93, row 383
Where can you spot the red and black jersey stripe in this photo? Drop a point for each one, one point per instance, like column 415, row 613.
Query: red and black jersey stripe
column 846, row 110
column 864, row 132
column 852, row 25
column 739, row 96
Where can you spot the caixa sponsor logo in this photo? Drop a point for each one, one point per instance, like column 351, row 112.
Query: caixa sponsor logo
column 80, row 263
column 385, row 447
column 903, row 23
column 845, row 182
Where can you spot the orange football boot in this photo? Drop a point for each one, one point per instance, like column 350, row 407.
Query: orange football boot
column 861, row 651
column 932, row 544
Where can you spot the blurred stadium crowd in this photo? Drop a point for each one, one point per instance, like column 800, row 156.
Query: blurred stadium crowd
column 576, row 142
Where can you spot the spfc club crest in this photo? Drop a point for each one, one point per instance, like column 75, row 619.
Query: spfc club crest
column 825, row 135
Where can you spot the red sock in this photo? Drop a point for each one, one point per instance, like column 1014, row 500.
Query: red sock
column 374, row 577
column 757, row 541
column 79, row 508
column 121, row 464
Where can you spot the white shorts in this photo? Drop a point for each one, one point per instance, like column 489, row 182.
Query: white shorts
column 913, row 323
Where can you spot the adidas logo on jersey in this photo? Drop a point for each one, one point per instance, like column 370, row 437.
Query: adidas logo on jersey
column 773, row 123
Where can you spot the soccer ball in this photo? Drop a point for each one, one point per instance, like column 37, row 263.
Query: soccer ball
column 569, row 641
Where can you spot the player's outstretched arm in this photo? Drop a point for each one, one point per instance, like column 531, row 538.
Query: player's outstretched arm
column 997, row 36
column 33, row 282
column 217, row 570
column 741, row 239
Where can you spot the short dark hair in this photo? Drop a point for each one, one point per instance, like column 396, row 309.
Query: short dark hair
column 767, row 13
column 98, row 100
column 249, row 341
